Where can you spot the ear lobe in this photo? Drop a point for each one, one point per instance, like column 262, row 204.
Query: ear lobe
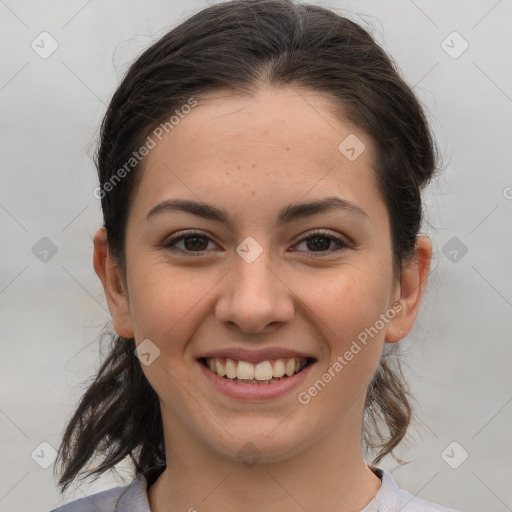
column 109, row 273
column 413, row 279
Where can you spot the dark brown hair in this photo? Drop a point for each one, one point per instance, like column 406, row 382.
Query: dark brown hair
column 238, row 46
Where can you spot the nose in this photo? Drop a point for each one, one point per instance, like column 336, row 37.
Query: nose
column 255, row 298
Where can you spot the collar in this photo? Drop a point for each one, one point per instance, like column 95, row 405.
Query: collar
column 135, row 497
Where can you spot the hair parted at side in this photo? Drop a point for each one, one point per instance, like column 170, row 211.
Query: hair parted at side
column 239, row 46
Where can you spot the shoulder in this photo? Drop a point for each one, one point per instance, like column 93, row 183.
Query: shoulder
column 112, row 500
column 105, row 501
column 408, row 503
column 390, row 498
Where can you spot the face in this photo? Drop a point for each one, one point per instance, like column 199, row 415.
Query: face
column 255, row 283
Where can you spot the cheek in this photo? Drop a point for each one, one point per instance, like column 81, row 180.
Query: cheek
column 167, row 306
column 347, row 302
column 348, row 311
column 166, row 302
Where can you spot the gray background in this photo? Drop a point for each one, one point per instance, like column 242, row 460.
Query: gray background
column 52, row 311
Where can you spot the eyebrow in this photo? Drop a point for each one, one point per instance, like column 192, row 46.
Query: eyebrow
column 285, row 216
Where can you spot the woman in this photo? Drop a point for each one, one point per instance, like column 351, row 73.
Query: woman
column 261, row 169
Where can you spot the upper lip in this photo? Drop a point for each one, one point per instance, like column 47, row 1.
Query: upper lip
column 255, row 356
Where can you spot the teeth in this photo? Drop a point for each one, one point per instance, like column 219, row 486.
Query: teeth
column 289, row 369
column 263, row 371
column 230, row 368
column 220, row 369
column 245, row 371
column 278, row 368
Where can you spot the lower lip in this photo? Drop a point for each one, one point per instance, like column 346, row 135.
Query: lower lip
column 255, row 391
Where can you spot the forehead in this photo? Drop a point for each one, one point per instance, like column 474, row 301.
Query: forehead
column 286, row 118
column 283, row 142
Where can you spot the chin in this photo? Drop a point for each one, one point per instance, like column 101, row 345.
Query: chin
column 259, row 446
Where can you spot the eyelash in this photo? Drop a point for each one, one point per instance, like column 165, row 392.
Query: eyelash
column 342, row 244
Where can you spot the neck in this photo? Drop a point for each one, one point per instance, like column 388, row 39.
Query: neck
column 327, row 476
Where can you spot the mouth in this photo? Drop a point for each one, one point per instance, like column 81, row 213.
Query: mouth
column 263, row 372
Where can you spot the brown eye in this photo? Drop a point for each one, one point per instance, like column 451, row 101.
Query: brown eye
column 190, row 242
column 322, row 242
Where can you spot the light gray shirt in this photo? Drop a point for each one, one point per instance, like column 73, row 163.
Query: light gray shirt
column 134, row 498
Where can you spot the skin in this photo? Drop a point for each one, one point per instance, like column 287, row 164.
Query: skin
column 253, row 156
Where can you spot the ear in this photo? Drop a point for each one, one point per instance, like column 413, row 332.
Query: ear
column 413, row 279
column 110, row 275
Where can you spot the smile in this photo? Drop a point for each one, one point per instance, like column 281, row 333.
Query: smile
column 263, row 372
